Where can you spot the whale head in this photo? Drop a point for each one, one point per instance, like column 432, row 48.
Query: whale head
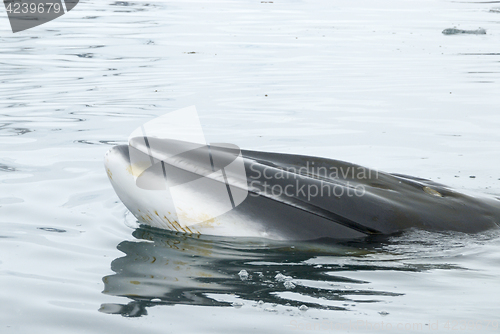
column 174, row 181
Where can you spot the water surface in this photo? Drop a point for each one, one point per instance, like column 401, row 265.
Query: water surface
column 376, row 84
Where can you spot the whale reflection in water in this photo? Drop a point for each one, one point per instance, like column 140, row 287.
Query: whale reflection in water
column 169, row 268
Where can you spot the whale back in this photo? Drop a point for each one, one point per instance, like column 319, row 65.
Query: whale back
column 367, row 200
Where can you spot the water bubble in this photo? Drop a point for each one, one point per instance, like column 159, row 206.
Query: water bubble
column 303, row 308
column 279, row 277
column 282, row 278
column 156, row 300
column 237, row 304
column 289, row 285
column 243, row 275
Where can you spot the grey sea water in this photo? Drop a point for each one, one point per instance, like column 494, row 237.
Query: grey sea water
column 373, row 83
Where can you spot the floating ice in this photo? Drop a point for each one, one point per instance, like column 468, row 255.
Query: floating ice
column 455, row 31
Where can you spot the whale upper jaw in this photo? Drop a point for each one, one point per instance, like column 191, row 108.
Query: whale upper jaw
column 257, row 216
column 390, row 203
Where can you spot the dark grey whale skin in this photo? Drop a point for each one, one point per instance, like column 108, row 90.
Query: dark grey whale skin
column 389, row 204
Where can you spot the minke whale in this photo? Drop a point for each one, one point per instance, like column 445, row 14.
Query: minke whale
column 218, row 189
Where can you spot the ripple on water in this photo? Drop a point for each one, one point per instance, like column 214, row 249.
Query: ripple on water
column 372, row 83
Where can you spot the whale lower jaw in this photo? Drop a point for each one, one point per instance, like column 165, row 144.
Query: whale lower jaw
column 393, row 203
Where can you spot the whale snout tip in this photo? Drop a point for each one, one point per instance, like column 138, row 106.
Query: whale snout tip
column 116, row 160
column 117, row 155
